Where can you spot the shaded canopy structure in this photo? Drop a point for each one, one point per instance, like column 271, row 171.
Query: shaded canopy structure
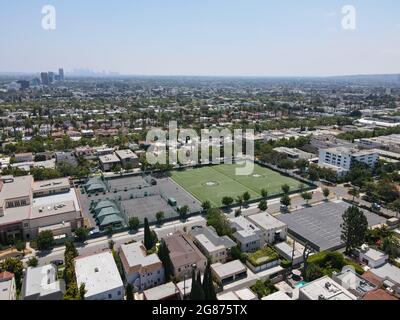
column 107, row 213
column 94, row 185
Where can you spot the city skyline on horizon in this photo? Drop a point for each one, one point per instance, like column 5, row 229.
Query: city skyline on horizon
column 224, row 39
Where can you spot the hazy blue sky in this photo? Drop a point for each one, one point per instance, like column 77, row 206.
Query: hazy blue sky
column 202, row 37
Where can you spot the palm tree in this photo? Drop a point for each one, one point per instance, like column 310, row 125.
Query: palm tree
column 240, row 201
column 396, row 207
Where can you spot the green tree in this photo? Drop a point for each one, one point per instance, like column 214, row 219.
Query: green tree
column 264, row 193
column 148, row 235
column 395, row 206
column 246, row 197
column 129, row 292
column 159, row 217
column 197, row 292
column 82, row 291
column 72, row 292
column 227, row 201
column 326, row 193
column 208, row 284
column 240, row 201
column 164, row 255
column 219, row 222
column 285, row 188
column 285, row 200
column 45, row 240
column 70, row 254
column 109, row 231
column 133, row 223
column 390, row 245
column 206, row 205
column 82, row 234
column 237, row 254
column 183, row 211
column 263, row 205
column 354, row 193
column 307, row 196
column 32, row 262
column 354, row 228
column 20, row 245
column 238, row 213
column 312, row 272
column 16, row 267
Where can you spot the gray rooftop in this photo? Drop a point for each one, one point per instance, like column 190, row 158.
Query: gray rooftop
column 320, row 224
column 161, row 292
column 51, row 184
column 210, row 240
column 20, row 187
column 228, row 269
column 266, row 221
column 387, row 271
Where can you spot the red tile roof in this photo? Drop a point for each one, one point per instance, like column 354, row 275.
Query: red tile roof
column 369, row 276
column 378, row 294
column 5, row 276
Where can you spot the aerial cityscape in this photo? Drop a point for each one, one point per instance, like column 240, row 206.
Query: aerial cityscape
column 135, row 181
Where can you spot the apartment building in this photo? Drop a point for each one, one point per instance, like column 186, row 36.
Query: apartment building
column 141, row 270
column 325, row 289
column 248, row 236
column 109, row 161
column 184, row 254
column 8, row 289
column 41, row 283
column 343, row 158
column 100, row 275
column 273, row 229
column 389, row 143
column 128, row 158
column 213, row 246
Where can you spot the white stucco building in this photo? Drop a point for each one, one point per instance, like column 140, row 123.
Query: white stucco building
column 100, row 275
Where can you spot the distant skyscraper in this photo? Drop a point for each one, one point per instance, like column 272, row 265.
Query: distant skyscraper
column 61, row 74
column 44, row 76
column 51, row 76
column 24, row 84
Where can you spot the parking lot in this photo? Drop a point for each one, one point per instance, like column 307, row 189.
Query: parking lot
column 138, row 197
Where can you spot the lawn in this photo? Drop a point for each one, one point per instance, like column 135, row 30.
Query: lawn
column 215, row 182
column 262, row 256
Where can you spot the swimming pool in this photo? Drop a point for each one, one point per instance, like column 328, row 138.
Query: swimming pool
column 301, row 284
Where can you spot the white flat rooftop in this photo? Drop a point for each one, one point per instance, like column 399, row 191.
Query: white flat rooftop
column 228, row 269
column 98, row 272
column 58, row 198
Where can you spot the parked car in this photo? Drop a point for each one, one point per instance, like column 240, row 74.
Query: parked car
column 57, row 262
column 376, row 206
column 94, row 231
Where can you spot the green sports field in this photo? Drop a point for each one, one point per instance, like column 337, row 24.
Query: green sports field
column 215, row 182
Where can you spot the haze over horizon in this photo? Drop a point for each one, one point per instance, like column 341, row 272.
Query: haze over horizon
column 202, row 38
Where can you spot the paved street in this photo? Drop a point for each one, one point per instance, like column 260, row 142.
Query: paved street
column 100, row 244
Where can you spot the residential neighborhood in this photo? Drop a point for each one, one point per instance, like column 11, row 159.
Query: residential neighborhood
column 199, row 151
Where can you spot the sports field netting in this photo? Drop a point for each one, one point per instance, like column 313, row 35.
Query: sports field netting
column 215, row 182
